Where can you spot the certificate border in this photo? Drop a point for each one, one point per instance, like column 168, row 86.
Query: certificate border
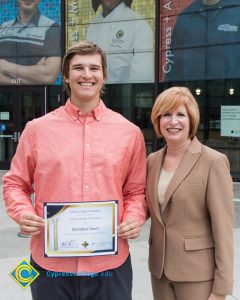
column 81, row 253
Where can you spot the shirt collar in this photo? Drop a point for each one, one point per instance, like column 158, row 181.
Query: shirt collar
column 33, row 20
column 75, row 112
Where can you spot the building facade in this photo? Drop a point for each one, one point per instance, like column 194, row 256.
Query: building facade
column 150, row 45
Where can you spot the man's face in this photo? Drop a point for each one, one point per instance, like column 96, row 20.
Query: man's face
column 28, row 6
column 85, row 78
column 110, row 4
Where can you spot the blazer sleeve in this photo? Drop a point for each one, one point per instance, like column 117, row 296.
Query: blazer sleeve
column 220, row 204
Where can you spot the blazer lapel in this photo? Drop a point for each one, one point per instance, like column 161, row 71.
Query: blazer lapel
column 189, row 159
column 155, row 173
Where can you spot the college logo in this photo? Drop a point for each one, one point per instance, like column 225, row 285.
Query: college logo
column 120, row 34
column 24, row 274
column 228, row 27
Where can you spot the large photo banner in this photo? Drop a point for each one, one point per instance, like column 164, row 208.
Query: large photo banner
column 124, row 29
column 199, row 39
column 30, row 42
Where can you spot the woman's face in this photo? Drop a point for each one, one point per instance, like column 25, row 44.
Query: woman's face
column 175, row 125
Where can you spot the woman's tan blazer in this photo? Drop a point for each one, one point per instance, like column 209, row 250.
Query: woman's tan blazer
column 192, row 239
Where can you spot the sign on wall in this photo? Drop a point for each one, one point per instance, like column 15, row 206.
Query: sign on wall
column 230, row 121
column 30, row 42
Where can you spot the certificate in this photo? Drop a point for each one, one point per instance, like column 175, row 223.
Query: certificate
column 80, row 228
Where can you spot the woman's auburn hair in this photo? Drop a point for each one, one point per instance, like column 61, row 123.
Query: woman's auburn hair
column 169, row 100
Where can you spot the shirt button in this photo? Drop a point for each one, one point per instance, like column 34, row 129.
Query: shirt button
column 86, row 187
column 87, row 164
column 88, row 145
column 79, row 113
column 87, row 126
column 75, row 119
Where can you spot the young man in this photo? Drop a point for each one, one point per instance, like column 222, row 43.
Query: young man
column 29, row 47
column 126, row 38
column 80, row 152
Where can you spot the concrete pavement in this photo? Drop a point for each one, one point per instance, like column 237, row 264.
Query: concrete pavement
column 13, row 249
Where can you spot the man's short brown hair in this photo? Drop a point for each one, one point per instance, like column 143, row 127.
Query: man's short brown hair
column 83, row 48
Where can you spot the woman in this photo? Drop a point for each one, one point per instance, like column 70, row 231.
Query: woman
column 189, row 195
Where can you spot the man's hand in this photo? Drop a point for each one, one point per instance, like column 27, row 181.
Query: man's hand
column 216, row 297
column 129, row 229
column 31, row 224
column 5, row 79
column 4, row 64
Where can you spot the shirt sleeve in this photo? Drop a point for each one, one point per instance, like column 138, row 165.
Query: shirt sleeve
column 220, row 206
column 52, row 45
column 135, row 184
column 18, row 182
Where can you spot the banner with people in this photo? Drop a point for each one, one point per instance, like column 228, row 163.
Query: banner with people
column 30, row 42
column 124, row 29
column 199, row 39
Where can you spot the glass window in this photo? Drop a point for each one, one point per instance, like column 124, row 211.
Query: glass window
column 224, row 120
column 133, row 101
column 54, row 97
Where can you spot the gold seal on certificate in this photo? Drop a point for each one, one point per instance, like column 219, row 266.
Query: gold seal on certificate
column 80, row 228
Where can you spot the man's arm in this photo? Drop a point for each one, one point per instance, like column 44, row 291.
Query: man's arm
column 135, row 207
column 45, row 72
column 5, row 79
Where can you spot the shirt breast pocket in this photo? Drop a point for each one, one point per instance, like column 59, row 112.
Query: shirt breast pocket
column 117, row 162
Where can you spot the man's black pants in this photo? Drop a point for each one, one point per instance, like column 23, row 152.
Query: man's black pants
column 114, row 284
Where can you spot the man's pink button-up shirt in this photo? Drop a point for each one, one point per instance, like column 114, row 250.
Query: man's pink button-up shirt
column 65, row 156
